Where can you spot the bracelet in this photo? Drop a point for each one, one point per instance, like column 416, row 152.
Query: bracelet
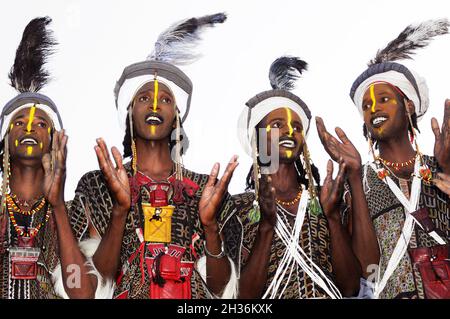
column 220, row 255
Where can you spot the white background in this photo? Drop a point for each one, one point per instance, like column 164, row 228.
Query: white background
column 99, row 38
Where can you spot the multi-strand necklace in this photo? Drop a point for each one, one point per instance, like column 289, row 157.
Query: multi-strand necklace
column 14, row 208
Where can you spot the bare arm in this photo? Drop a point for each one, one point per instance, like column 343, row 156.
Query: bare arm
column 217, row 269
column 345, row 264
column 71, row 257
column 254, row 274
column 107, row 256
column 363, row 238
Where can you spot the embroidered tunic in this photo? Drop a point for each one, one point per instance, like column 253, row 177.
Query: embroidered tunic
column 45, row 240
column 314, row 240
column 134, row 278
column 388, row 216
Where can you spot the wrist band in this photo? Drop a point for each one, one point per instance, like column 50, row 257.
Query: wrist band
column 209, row 254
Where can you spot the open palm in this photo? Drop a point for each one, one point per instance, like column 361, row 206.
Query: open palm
column 442, row 139
column 339, row 149
column 55, row 173
column 115, row 175
column 214, row 192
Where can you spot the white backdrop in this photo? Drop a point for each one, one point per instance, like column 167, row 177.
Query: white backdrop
column 99, row 38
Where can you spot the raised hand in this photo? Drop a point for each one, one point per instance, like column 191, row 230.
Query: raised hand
column 214, row 192
column 443, row 183
column 339, row 149
column 267, row 200
column 115, row 176
column 331, row 191
column 442, row 139
column 55, row 177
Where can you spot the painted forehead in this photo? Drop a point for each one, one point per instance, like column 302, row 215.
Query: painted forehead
column 284, row 113
column 35, row 112
column 150, row 86
column 379, row 88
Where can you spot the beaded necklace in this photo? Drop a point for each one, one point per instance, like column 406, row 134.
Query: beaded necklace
column 12, row 208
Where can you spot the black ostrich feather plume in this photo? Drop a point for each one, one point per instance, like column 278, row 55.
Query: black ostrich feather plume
column 413, row 37
column 28, row 73
column 284, row 71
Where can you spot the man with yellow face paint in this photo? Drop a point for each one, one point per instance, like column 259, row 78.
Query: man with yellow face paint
column 283, row 206
column 399, row 228
column 38, row 251
column 154, row 221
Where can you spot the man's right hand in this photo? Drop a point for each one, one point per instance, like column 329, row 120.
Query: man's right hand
column 340, row 149
column 267, row 202
column 116, row 177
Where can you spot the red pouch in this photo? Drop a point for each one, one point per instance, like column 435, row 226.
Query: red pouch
column 24, row 262
column 434, row 266
column 176, row 277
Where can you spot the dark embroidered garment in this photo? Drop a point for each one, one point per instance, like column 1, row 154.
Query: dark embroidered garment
column 314, row 240
column 388, row 217
column 92, row 195
column 46, row 241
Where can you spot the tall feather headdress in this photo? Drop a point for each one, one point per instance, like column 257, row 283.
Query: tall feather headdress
column 384, row 68
column 284, row 71
column 174, row 47
column 414, row 36
column 176, row 44
column 28, row 75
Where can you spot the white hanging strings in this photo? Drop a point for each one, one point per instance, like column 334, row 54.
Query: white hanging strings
column 408, row 226
column 294, row 254
column 287, row 261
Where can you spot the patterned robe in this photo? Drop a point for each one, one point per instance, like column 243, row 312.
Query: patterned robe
column 92, row 196
column 314, row 240
column 388, row 216
column 46, row 240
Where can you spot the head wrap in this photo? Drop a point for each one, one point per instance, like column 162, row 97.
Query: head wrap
column 28, row 75
column 173, row 47
column 383, row 69
column 282, row 75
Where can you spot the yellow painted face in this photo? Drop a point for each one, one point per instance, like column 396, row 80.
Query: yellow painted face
column 290, row 126
column 30, row 124
column 153, row 97
column 381, row 111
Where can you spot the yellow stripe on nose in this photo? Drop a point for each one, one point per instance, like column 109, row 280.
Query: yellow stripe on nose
column 289, row 123
column 155, row 96
column 31, row 118
column 372, row 96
